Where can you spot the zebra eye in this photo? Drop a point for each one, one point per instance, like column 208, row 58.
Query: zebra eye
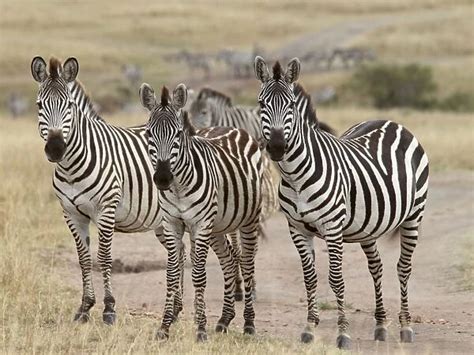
column 40, row 105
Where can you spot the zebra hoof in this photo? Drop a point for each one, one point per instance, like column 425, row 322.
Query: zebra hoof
column 380, row 334
column 221, row 328
column 307, row 337
column 406, row 335
column 201, row 337
column 344, row 342
column 249, row 329
column 239, row 296
column 162, row 335
column 81, row 317
column 109, row 318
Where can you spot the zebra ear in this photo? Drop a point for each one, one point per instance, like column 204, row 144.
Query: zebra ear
column 293, row 71
column 261, row 69
column 147, row 96
column 70, row 69
column 38, row 69
column 180, row 96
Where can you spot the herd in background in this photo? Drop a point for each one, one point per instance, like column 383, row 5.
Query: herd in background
column 212, row 176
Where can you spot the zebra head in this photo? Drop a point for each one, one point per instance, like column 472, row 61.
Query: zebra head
column 201, row 112
column 56, row 106
column 166, row 129
column 277, row 104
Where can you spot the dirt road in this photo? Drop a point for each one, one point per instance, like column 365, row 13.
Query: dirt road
column 443, row 312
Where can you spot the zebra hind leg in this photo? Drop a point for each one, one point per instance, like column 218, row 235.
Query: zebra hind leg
column 224, row 252
column 376, row 270
column 80, row 232
column 304, row 247
column 408, row 241
column 105, row 226
column 239, row 294
column 249, row 245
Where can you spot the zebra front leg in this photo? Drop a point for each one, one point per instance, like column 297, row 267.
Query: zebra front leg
column 376, row 270
column 336, row 281
column 239, row 295
column 202, row 242
column 105, row 225
column 304, row 246
column 408, row 241
column 173, row 275
column 178, row 300
column 249, row 246
column 80, row 231
column 224, row 252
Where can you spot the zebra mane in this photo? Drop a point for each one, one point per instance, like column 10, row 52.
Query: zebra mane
column 310, row 115
column 277, row 71
column 165, row 96
column 55, row 67
column 211, row 93
column 188, row 125
column 87, row 106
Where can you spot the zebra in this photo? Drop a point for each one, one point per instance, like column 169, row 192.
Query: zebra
column 370, row 181
column 103, row 174
column 209, row 186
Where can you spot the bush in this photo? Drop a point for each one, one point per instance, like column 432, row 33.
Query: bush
column 388, row 86
column 459, row 102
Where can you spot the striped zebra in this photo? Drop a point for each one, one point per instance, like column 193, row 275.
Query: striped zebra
column 103, row 174
column 210, row 187
column 356, row 188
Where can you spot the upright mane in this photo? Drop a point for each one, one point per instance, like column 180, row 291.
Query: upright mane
column 165, row 96
column 310, row 116
column 211, row 93
column 55, row 67
column 83, row 99
column 277, row 71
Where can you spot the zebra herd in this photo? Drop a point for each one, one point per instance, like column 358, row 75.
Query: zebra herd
column 208, row 175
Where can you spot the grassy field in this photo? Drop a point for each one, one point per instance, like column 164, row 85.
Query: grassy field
column 36, row 308
column 107, row 34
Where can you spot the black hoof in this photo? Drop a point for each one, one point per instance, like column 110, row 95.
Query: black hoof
column 109, row 318
column 249, row 329
column 307, row 337
column 344, row 342
column 406, row 335
column 162, row 335
column 81, row 317
column 221, row 328
column 201, row 337
column 239, row 296
column 380, row 334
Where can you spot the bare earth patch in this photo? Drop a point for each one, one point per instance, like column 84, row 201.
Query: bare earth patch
column 441, row 307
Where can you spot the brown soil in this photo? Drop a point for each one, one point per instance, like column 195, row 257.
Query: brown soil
column 441, row 309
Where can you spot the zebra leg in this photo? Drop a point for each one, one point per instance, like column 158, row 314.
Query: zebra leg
column 336, row 281
column 173, row 276
column 239, row 295
column 105, row 225
column 376, row 270
column 178, row 300
column 408, row 241
column 199, row 282
column 305, row 249
column 80, row 232
column 224, row 252
column 249, row 245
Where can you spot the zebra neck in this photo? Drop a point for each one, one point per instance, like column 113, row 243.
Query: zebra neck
column 219, row 108
column 184, row 166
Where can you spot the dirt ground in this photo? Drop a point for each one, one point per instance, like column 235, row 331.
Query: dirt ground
column 442, row 311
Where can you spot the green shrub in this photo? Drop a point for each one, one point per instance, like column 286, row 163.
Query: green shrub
column 459, row 102
column 389, row 85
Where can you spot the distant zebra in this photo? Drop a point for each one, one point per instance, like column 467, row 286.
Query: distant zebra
column 357, row 188
column 103, row 174
column 209, row 186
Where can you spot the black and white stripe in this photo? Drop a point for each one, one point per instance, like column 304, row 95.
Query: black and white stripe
column 371, row 181
column 103, row 173
column 209, row 186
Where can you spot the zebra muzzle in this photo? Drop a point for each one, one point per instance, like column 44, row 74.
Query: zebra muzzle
column 163, row 177
column 55, row 146
column 276, row 146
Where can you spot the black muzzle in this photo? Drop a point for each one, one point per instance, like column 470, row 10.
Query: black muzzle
column 276, row 145
column 163, row 177
column 55, row 147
